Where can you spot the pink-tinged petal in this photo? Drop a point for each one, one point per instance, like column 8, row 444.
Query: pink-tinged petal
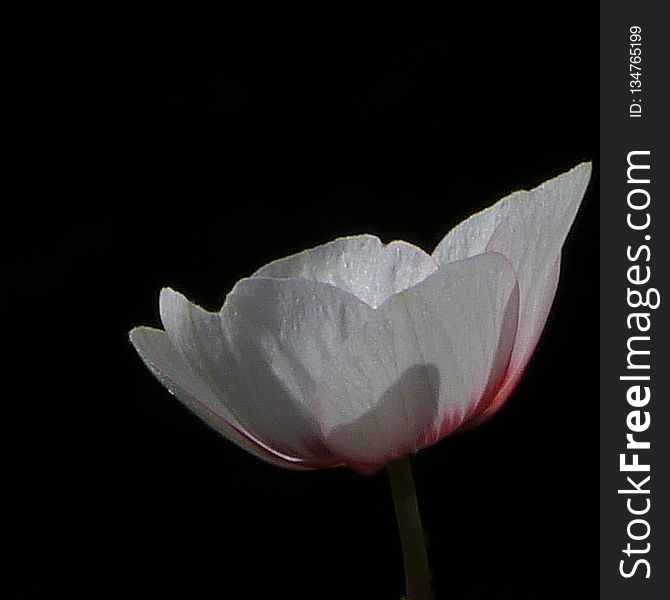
column 488, row 409
column 529, row 228
column 237, row 352
column 422, row 363
column 160, row 356
column 361, row 265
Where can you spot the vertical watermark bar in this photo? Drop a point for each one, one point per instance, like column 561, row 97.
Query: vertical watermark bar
column 635, row 270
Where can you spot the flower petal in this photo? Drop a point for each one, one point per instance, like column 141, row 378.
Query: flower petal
column 529, row 228
column 160, row 356
column 281, row 334
column 422, row 362
column 231, row 351
column 361, row 265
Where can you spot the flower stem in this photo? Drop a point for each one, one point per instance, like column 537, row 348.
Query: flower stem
column 417, row 573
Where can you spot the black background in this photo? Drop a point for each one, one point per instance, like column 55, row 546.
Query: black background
column 187, row 146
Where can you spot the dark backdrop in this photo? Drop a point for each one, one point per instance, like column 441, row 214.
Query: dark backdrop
column 184, row 146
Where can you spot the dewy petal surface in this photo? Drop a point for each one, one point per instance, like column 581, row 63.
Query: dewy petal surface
column 163, row 360
column 361, row 265
column 421, row 363
column 529, row 228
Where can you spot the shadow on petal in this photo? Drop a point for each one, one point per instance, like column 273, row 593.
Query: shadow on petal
column 394, row 426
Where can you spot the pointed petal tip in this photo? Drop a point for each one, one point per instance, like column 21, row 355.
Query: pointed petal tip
column 580, row 172
column 584, row 169
column 140, row 335
column 167, row 294
column 141, row 330
column 134, row 333
column 172, row 303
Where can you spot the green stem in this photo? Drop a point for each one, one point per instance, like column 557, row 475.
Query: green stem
column 417, row 573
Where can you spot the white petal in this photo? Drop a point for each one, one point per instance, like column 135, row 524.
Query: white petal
column 282, row 334
column 422, row 363
column 361, row 265
column 232, row 365
column 263, row 353
column 168, row 366
column 529, row 228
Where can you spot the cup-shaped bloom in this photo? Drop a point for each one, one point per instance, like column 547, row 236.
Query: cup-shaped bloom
column 356, row 352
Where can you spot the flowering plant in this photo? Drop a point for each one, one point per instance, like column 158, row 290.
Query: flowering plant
column 358, row 353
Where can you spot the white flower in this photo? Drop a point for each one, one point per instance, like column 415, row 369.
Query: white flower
column 356, row 352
